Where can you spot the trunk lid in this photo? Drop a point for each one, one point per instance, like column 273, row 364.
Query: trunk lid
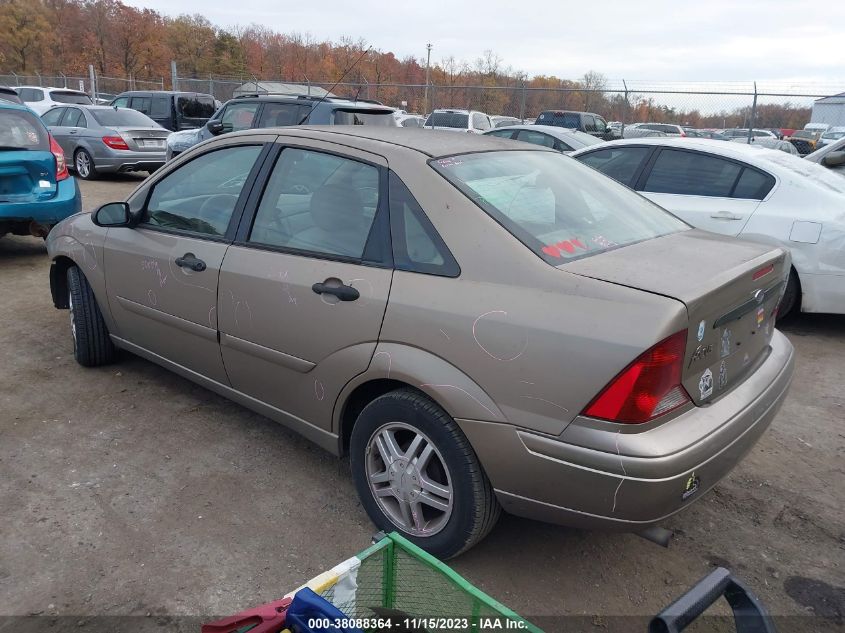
column 27, row 176
column 729, row 287
column 151, row 139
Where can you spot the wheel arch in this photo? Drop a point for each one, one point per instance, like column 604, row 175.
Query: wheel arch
column 397, row 366
column 58, row 280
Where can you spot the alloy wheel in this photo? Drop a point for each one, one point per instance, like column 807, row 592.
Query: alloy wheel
column 409, row 479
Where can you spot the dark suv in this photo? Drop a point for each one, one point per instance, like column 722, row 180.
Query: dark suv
column 584, row 121
column 172, row 110
column 268, row 110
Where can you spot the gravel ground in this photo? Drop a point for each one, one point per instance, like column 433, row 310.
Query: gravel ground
column 126, row 490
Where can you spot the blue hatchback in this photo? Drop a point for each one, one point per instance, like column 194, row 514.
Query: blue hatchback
column 36, row 190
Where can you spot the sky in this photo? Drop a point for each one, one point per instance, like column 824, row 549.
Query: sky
column 779, row 42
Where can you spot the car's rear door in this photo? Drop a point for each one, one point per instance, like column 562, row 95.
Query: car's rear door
column 303, row 289
column 161, row 276
column 709, row 191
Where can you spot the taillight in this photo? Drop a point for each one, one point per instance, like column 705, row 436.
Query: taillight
column 647, row 388
column 115, row 142
column 61, row 163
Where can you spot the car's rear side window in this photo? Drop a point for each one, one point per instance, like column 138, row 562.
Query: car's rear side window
column 692, row 174
column 160, row 108
column 21, row 130
column 350, row 116
column 31, row 94
column 560, row 209
column 195, row 107
column 753, row 185
column 417, row 247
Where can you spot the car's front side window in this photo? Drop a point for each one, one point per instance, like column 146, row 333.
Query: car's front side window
column 537, row 138
column 200, row 196
column 52, row 117
column 319, row 203
column 239, row 116
column 620, row 163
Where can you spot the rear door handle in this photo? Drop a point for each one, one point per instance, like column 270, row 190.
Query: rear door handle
column 725, row 215
column 73, row 132
column 342, row 292
column 189, row 260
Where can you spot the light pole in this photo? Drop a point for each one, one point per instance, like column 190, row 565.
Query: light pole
column 427, row 67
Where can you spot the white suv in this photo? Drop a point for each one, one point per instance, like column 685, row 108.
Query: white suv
column 40, row 99
column 453, row 120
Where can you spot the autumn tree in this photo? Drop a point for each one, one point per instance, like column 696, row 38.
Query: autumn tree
column 24, row 29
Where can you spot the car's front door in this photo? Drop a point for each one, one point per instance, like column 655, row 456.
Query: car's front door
column 161, row 276
column 710, row 192
column 304, row 288
column 74, row 127
column 52, row 119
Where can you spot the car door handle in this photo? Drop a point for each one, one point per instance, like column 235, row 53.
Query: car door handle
column 189, row 260
column 725, row 215
column 342, row 292
column 73, row 131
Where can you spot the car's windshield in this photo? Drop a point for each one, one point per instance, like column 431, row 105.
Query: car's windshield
column 21, row 130
column 67, row 96
column 122, row 117
column 365, row 117
column 448, row 119
column 560, row 209
column 196, row 107
column 804, row 134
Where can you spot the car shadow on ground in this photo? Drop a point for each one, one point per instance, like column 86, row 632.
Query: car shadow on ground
column 17, row 246
column 813, row 324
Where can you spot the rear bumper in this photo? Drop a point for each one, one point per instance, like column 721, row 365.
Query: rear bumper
column 651, row 474
column 66, row 202
column 823, row 293
column 129, row 161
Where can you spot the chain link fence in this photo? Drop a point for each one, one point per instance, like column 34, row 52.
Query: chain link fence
column 102, row 87
column 695, row 104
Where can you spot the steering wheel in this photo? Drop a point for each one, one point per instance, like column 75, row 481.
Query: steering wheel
column 216, row 209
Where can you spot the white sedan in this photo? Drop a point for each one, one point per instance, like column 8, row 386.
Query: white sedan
column 745, row 191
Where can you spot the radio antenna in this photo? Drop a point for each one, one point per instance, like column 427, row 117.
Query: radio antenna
column 345, row 72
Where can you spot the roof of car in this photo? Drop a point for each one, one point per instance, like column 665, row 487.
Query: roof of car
column 375, row 138
column 741, row 151
column 50, row 88
column 8, row 105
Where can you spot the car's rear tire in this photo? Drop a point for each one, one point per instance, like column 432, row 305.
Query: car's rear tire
column 791, row 301
column 83, row 164
column 91, row 343
column 406, row 454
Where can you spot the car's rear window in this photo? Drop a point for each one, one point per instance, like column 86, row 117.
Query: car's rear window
column 352, row 116
column 458, row 120
column 66, row 96
column 122, row 117
column 21, row 130
column 558, row 208
column 9, row 95
column 196, row 107
column 560, row 119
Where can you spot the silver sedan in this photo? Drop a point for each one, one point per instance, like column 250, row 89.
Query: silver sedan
column 559, row 138
column 104, row 139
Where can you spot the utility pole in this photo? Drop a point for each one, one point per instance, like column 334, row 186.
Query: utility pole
column 427, row 69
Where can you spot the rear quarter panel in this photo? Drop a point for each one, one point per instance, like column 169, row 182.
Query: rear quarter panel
column 515, row 339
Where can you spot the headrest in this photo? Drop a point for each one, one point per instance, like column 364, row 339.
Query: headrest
column 334, row 207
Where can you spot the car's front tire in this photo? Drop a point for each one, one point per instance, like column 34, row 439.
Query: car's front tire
column 91, row 343
column 83, row 164
column 416, row 473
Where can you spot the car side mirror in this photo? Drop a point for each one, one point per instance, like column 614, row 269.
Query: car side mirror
column 215, row 126
column 113, row 214
column 834, row 159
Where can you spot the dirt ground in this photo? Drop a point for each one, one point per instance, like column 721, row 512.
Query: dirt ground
column 126, row 490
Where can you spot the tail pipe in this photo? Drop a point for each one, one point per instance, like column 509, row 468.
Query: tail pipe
column 657, row 534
